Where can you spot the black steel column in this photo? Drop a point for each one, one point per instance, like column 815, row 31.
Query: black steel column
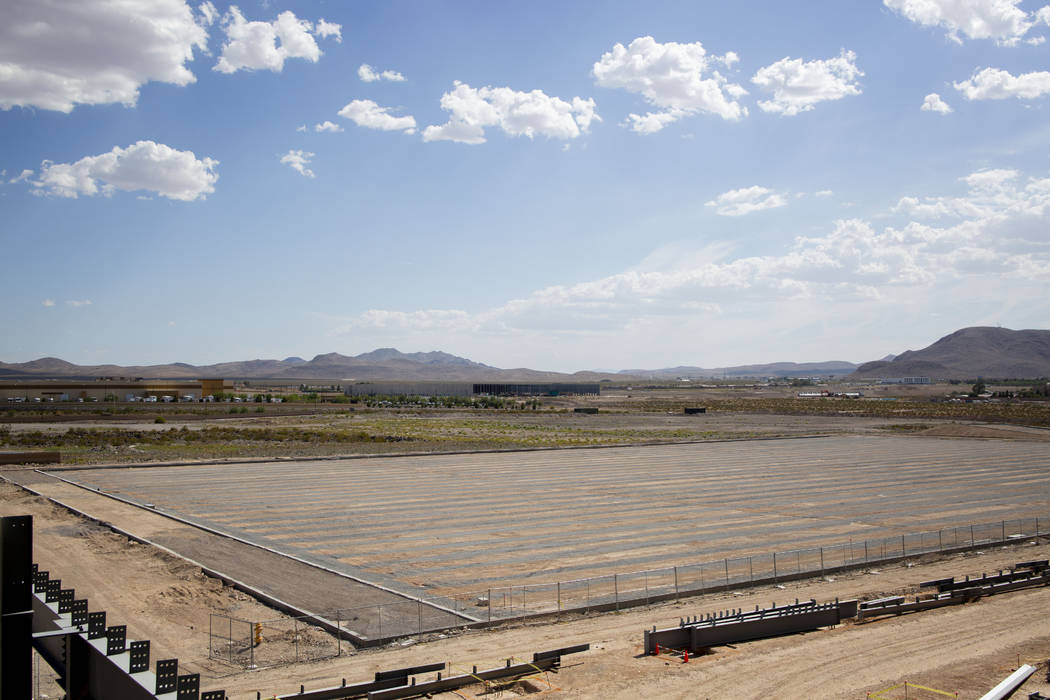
column 16, row 607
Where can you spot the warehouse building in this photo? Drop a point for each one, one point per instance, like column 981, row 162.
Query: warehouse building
column 468, row 389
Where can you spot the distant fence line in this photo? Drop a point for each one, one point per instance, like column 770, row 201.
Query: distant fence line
column 267, row 643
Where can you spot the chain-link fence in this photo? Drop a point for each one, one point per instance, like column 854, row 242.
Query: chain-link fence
column 268, row 643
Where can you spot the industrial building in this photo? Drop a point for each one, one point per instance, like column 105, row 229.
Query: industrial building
column 111, row 389
column 468, row 389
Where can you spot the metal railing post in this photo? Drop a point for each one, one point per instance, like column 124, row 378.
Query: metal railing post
column 726, row 562
column 676, row 584
column 971, row 535
column 1004, row 531
column 821, row 561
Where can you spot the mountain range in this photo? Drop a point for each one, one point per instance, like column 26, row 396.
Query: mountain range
column 965, row 354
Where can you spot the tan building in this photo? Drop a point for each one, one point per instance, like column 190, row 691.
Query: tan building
column 110, row 389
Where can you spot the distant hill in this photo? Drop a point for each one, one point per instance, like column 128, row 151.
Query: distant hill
column 980, row 351
column 833, row 368
column 383, row 363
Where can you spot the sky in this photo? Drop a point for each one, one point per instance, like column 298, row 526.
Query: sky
column 561, row 186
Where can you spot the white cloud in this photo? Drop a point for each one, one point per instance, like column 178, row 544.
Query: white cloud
column 1001, row 20
column 56, row 54
column 993, row 257
column 934, row 103
column 48, row 302
column 651, row 122
column 995, row 84
column 299, row 162
column 368, row 114
column 208, row 13
column 823, row 193
column 76, row 304
column 746, row 200
column 325, row 29
column 370, row 75
column 678, row 78
column 301, row 128
column 144, row 165
column 267, row 45
column 798, row 85
column 23, row 176
column 326, row 125
column 516, row 113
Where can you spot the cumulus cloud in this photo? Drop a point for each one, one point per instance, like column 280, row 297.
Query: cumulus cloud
column 934, row 103
column 677, row 78
column 1001, row 20
column 208, row 13
column 325, row 29
column 798, row 85
column 746, row 200
column 61, row 53
column 516, row 113
column 21, row 177
column 995, row 84
column 328, row 126
column 298, row 161
column 996, row 243
column 48, row 302
column 260, row 45
column 823, row 193
column 144, row 165
column 370, row 75
column 368, row 114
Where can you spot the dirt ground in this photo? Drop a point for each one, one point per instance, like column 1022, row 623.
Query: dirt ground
column 958, row 649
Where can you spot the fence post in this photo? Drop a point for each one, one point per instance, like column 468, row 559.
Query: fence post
column 559, row 596
column 774, row 566
column 524, row 605
column 726, row 562
column 971, row 534
column 701, row 568
column 940, row 540
column 647, row 589
column 421, row 612
column 904, row 551
column 865, row 551
column 821, row 561
column 229, row 641
column 750, row 570
column 338, row 633
column 1004, row 531
column 1037, row 527
column 588, row 593
column 251, row 646
column 380, row 610
column 211, row 617
column 676, row 583
column 616, row 590
column 296, row 621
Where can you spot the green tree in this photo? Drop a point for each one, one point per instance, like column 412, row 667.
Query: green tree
column 978, row 388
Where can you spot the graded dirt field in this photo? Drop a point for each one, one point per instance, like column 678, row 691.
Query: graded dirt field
column 465, row 523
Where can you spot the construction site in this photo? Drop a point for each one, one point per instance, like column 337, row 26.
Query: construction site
column 297, row 576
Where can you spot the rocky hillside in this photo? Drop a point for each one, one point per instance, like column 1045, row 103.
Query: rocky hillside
column 980, row 351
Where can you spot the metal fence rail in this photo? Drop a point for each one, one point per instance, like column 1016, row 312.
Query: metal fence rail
column 295, row 639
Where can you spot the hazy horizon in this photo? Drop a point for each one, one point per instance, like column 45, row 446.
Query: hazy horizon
column 545, row 185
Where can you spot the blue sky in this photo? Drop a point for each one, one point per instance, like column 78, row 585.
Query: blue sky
column 554, row 185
